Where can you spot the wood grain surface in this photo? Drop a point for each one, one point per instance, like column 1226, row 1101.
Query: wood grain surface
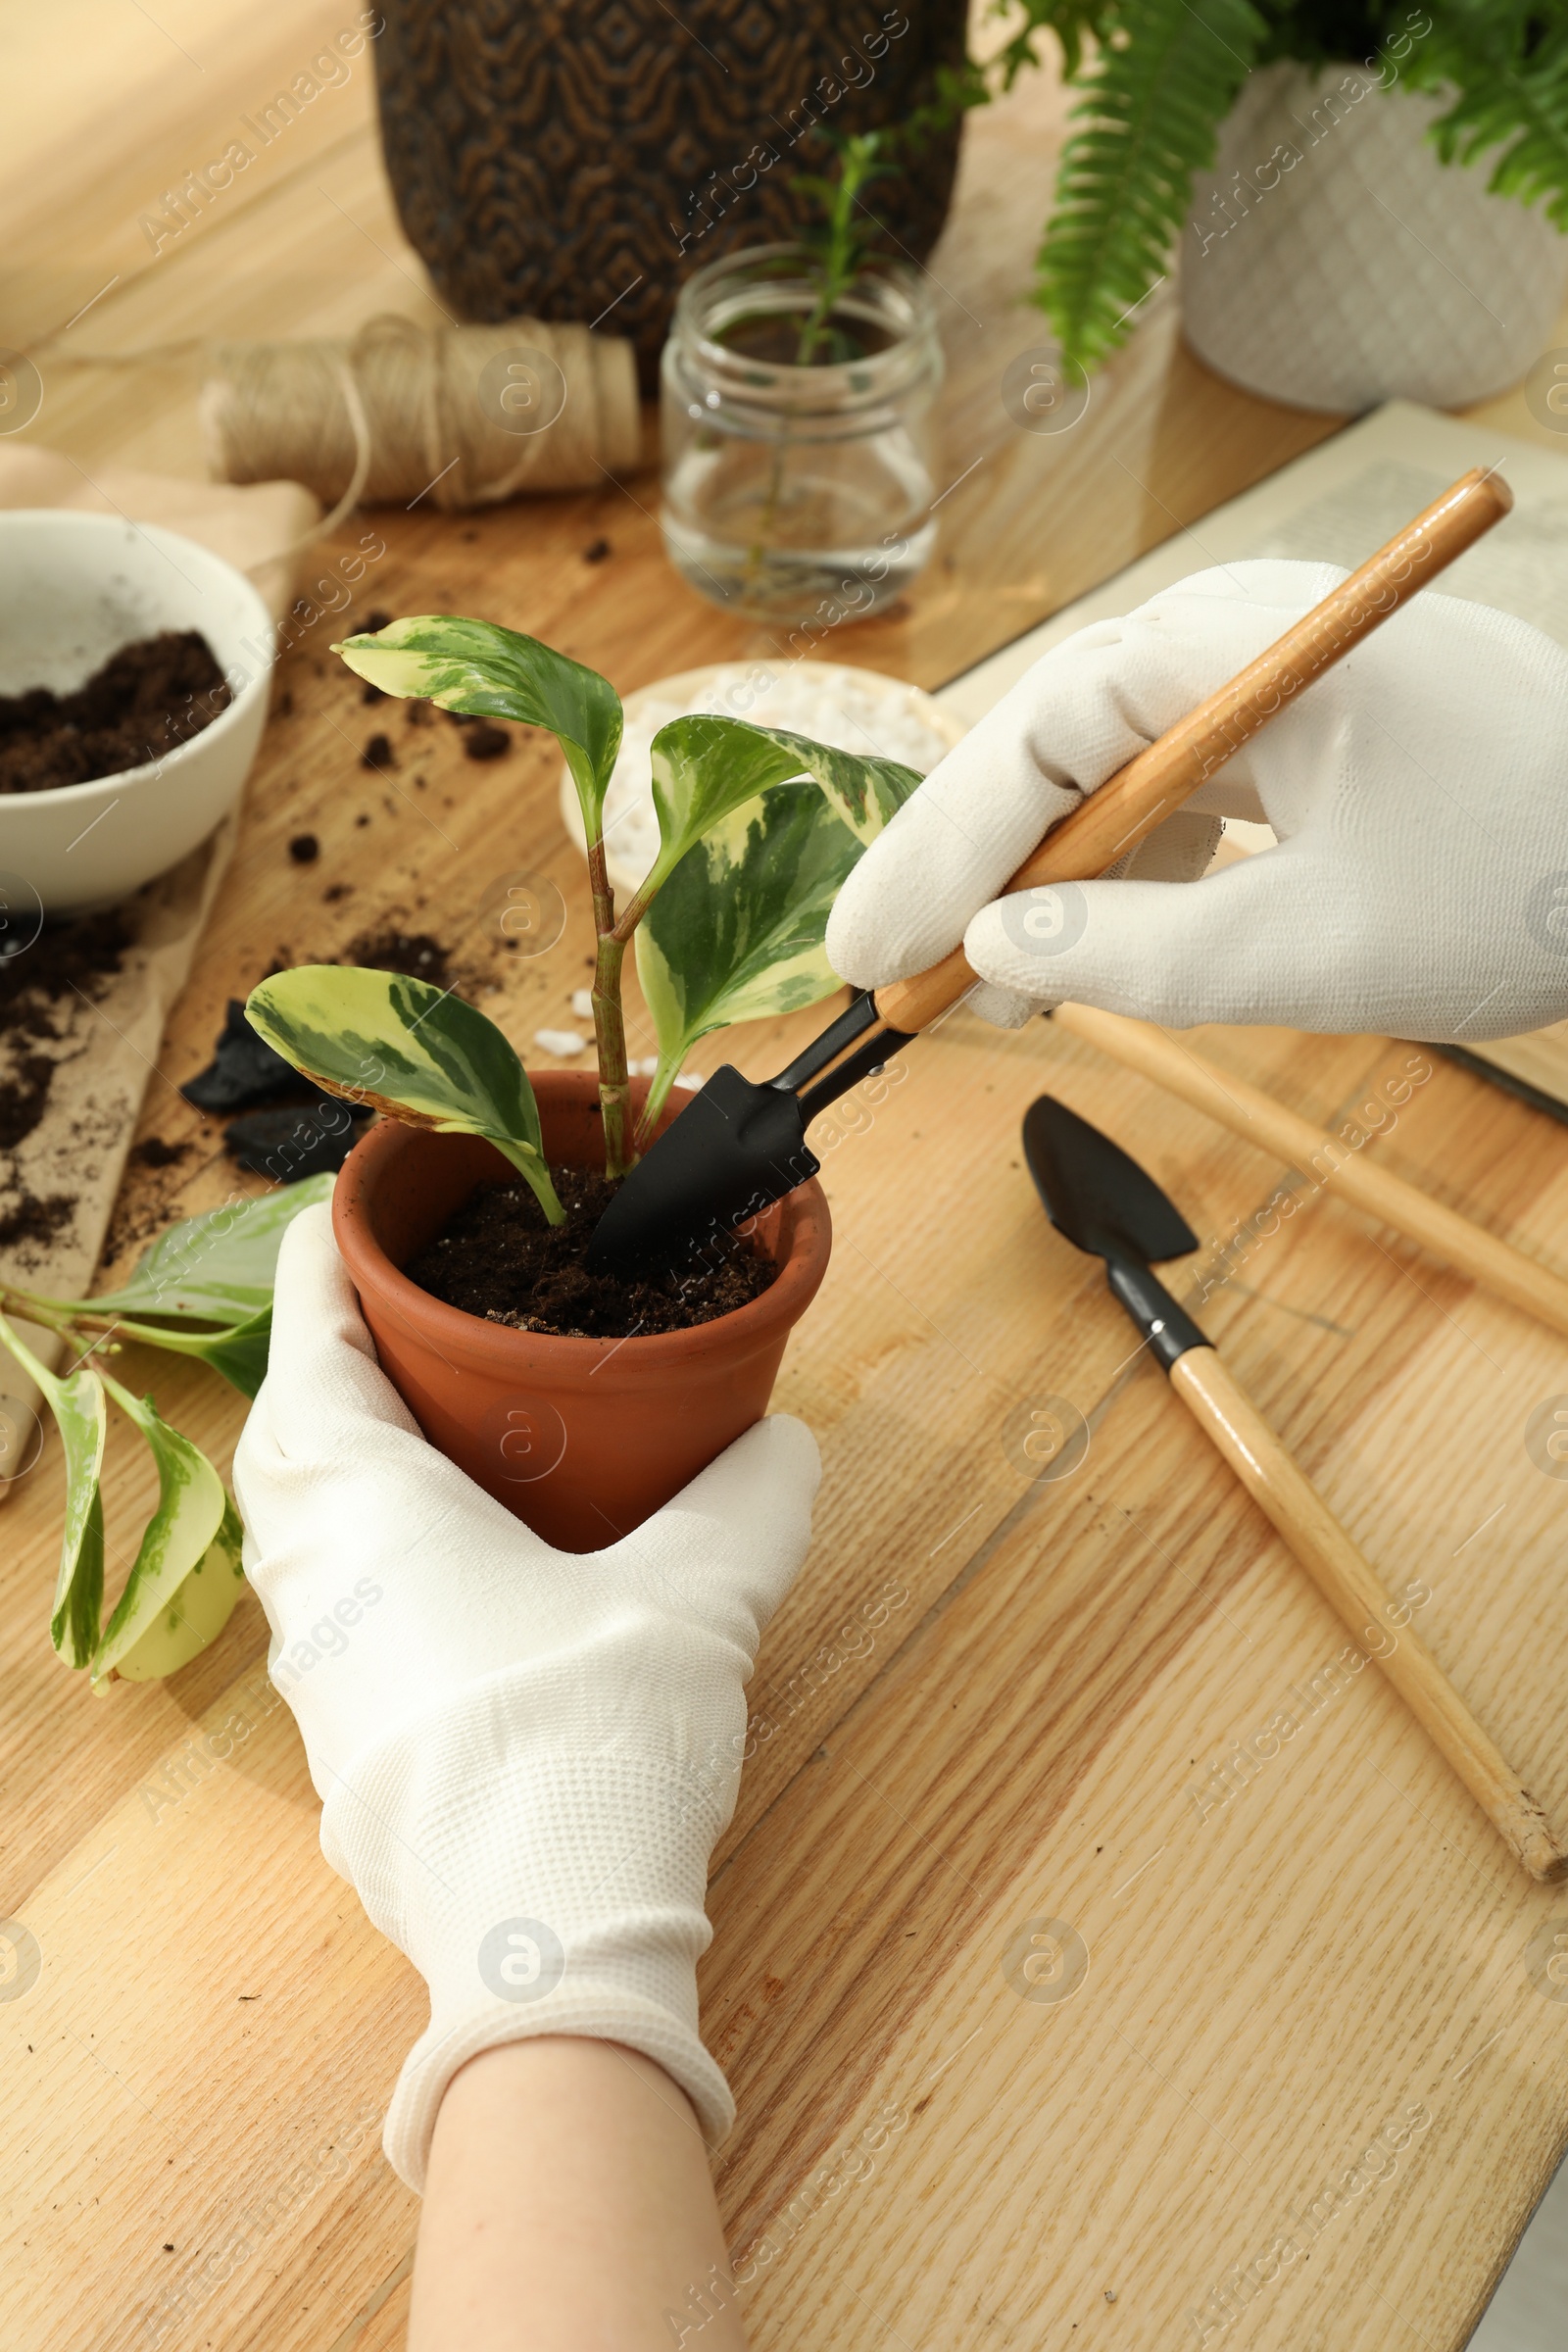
column 1102, row 1954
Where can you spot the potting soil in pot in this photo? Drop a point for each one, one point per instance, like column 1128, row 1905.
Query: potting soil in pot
column 497, row 1257
column 146, row 700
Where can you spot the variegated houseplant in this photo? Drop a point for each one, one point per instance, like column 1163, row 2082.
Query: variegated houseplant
column 758, row 831
column 203, row 1290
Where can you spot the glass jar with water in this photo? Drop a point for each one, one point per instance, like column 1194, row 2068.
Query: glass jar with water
column 798, row 435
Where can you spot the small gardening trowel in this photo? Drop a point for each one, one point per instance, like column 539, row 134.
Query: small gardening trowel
column 1104, row 1204
column 739, row 1146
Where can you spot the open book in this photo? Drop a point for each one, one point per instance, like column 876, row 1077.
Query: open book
column 1337, row 504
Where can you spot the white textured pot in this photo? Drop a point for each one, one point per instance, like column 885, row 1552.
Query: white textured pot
column 1332, row 262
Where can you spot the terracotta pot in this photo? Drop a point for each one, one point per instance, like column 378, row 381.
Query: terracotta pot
column 583, row 1439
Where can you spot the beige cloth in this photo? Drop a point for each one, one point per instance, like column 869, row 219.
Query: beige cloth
column 261, row 527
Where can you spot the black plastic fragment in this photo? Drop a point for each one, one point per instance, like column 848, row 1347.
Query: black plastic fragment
column 244, row 1069
column 290, row 1145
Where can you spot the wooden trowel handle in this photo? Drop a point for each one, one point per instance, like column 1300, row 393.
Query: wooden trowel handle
column 1350, row 1585
column 1130, row 804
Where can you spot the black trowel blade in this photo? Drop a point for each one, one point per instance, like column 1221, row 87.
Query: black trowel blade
column 1095, row 1195
column 735, row 1148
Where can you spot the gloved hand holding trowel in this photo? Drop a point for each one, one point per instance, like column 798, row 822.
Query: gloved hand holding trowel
column 1419, row 793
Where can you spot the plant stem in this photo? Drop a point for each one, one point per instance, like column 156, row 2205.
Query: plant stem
column 837, row 268
column 657, row 1095
column 60, row 1315
column 840, row 265
column 86, row 1329
column 609, row 1020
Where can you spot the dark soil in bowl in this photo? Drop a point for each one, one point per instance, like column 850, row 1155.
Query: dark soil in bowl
column 497, row 1257
column 145, row 701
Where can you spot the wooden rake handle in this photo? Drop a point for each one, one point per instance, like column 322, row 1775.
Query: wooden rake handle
column 1350, row 1585
column 1324, row 1158
column 1115, row 818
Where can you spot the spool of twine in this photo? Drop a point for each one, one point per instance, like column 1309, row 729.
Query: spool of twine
column 462, row 417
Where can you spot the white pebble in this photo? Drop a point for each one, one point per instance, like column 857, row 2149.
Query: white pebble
column 644, row 1068
column 691, row 1080
column 563, row 1042
column 583, row 1004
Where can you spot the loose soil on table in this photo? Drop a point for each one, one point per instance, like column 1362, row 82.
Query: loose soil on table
column 416, row 954
column 498, row 1259
column 39, row 987
column 146, row 700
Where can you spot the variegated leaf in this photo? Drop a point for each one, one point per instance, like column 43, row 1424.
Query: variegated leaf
column 239, row 1350
column 736, row 932
column 864, row 791
column 704, row 767
column 218, row 1267
column 481, row 668
column 81, row 1417
column 192, row 1507
column 197, row 1614
column 403, row 1046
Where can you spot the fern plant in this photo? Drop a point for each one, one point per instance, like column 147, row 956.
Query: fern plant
column 1155, row 77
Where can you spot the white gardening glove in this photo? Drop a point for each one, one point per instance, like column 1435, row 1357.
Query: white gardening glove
column 1419, row 791
column 525, row 1755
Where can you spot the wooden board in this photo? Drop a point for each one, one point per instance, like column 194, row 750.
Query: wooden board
column 990, row 1705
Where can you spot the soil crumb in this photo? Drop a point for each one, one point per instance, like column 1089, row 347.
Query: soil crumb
column 414, row 953
column 33, row 1223
column 154, row 1153
column 145, row 701
column 497, row 1257
column 482, row 741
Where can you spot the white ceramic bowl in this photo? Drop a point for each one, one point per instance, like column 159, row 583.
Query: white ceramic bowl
column 73, row 589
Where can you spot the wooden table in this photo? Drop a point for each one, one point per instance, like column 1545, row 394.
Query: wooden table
column 1064, row 1991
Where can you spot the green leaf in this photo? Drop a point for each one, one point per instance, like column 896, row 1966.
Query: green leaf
column 705, row 767
column 1153, row 101
column 1505, row 65
column 736, row 932
column 409, row 1048
column 82, row 1418
column 492, row 672
column 1071, row 21
column 219, row 1268
column 861, row 790
column 192, row 1507
column 197, row 1614
column 239, row 1351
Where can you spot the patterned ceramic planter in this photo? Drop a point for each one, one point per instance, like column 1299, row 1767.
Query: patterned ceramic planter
column 579, row 163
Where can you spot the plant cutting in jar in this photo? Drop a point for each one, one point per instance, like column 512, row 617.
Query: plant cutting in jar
column 203, row 1290
column 757, row 830
column 797, row 385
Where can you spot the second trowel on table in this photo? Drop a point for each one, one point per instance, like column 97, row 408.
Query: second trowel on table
column 1105, row 1204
